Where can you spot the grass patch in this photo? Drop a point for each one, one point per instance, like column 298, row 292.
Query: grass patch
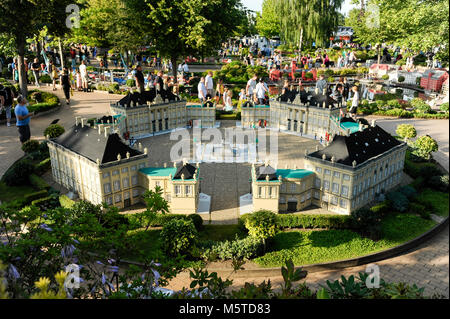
column 310, row 247
column 220, row 232
column 11, row 193
column 438, row 200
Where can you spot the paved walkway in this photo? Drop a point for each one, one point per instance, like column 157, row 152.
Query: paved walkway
column 427, row 266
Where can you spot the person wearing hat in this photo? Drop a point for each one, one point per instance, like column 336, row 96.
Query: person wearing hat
column 23, row 119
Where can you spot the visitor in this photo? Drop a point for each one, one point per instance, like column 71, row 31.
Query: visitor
column 66, row 85
column 35, row 67
column 84, row 76
column 251, row 86
column 209, row 84
column 6, row 101
column 242, row 98
column 159, row 83
column 261, row 92
column 219, row 90
column 355, row 102
column 185, row 67
column 202, row 92
column 346, row 86
column 139, row 78
column 54, row 74
column 78, row 80
column 228, row 101
column 321, row 84
column 23, row 119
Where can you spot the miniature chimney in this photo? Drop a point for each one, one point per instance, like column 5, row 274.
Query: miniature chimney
column 97, row 161
column 333, row 159
column 128, row 155
column 119, row 157
column 182, row 177
column 165, row 165
column 139, row 145
column 280, row 178
column 267, row 178
column 354, row 163
column 175, row 164
column 107, row 131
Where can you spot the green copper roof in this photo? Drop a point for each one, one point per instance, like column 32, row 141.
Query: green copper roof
column 159, row 171
column 293, row 173
column 194, row 106
column 354, row 127
column 262, row 106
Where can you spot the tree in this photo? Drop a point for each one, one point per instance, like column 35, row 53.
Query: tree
column 262, row 225
column 268, row 21
column 155, row 203
column 424, row 146
column 23, row 19
column 406, row 131
column 178, row 236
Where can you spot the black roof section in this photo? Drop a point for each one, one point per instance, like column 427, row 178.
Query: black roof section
column 104, row 119
column 318, row 99
column 187, row 169
column 87, row 142
column 359, row 146
column 263, row 171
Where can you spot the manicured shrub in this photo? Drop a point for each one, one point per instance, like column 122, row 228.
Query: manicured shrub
column 309, row 75
column 38, row 182
column 36, row 96
column 420, row 106
column 385, row 77
column 43, row 166
column 30, row 146
column 367, row 222
column 399, row 201
column 394, row 104
column 313, row 221
column 34, row 196
column 45, row 79
column 382, row 208
column 178, row 236
column 19, row 173
column 444, row 107
column 197, row 220
column 439, row 183
column 419, row 209
column 401, row 79
column 54, row 130
column 406, row 131
column 262, row 224
column 408, row 191
column 131, row 83
column 46, row 203
column 249, row 247
column 66, row 202
column 424, row 146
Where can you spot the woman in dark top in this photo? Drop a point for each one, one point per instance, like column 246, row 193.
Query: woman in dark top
column 65, row 83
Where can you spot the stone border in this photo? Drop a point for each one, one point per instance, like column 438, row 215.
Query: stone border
column 341, row 264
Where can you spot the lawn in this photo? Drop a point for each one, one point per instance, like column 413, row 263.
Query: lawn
column 10, row 193
column 438, row 200
column 310, row 247
column 220, row 232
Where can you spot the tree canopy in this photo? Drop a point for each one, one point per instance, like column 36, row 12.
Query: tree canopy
column 268, row 22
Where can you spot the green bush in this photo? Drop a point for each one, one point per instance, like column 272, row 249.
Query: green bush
column 406, row 130
column 394, row 104
column 34, row 196
column 131, row 83
column 419, row 209
column 424, row 146
column 43, row 166
column 19, row 173
column 38, row 183
column 66, row 202
column 46, row 203
column 30, row 146
column 409, row 191
column 197, row 220
column 382, row 208
column 114, row 87
column 309, row 75
column 54, row 130
column 247, row 248
column 401, row 79
column 36, row 96
column 420, row 106
column 262, row 224
column 313, row 221
column 178, row 236
column 444, row 107
column 385, row 77
column 366, row 221
column 439, row 183
column 399, row 201
column 45, row 79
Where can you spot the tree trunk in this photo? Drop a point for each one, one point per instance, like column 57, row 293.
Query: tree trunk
column 300, row 43
column 20, row 61
column 61, row 55
column 173, row 59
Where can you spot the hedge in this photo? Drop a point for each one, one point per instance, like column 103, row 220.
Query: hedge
column 246, row 248
column 36, row 195
column 65, row 201
column 43, row 166
column 161, row 220
column 38, row 183
column 310, row 221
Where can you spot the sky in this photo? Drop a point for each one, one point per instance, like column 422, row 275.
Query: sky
column 256, row 5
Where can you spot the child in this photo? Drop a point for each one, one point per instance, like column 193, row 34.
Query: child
column 242, row 98
column 78, row 77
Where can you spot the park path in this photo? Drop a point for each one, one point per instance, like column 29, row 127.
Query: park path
column 427, row 265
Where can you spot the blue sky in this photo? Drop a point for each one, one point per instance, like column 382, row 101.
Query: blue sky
column 256, row 5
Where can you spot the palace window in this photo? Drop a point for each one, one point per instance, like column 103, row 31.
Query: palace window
column 134, row 180
column 109, row 200
column 126, row 182
column 115, row 172
column 188, row 189
column 107, row 188
column 293, row 187
column 318, row 182
column 318, row 169
column 118, row 198
column 177, row 190
column 336, row 174
column 326, row 185
column 343, row 203
column 344, row 190
column 106, row 175
column 335, row 188
column 327, row 172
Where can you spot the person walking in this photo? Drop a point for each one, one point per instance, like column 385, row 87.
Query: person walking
column 139, row 78
column 84, row 76
column 23, row 119
column 36, row 67
column 355, row 102
column 6, row 101
column 54, row 74
column 65, row 83
column 209, row 84
column 251, row 86
column 261, row 92
column 202, row 91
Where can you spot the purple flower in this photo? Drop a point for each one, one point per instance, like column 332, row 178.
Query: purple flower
column 157, row 276
column 114, row 268
column 103, row 278
column 99, row 262
column 44, row 226
column 76, row 241
column 45, row 216
column 110, row 261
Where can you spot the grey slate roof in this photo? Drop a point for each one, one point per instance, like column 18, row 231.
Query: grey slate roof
column 187, row 169
column 263, row 171
column 359, row 146
column 87, row 142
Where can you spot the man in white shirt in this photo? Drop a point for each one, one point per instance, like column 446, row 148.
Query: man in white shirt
column 84, row 76
column 209, row 84
column 251, row 86
column 202, row 92
column 261, row 92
